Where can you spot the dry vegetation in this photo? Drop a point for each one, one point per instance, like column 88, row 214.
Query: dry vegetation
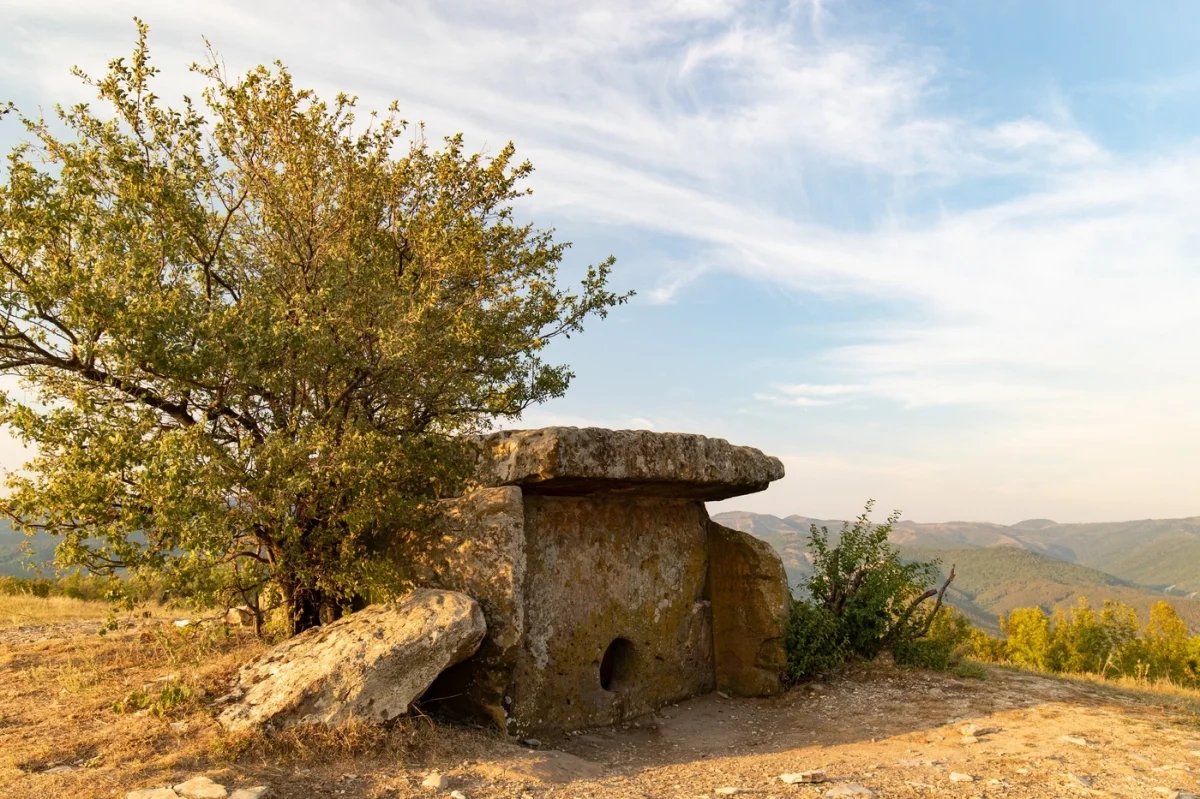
column 132, row 708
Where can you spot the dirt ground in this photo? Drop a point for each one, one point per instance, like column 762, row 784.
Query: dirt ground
column 899, row 733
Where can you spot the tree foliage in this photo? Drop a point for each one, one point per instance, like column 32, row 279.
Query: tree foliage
column 862, row 598
column 255, row 327
column 1110, row 643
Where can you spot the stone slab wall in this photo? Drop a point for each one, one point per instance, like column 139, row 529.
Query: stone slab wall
column 750, row 597
column 599, row 569
column 478, row 549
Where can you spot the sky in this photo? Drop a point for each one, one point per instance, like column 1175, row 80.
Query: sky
column 945, row 255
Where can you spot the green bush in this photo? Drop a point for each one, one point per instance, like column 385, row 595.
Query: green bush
column 863, row 599
column 814, row 641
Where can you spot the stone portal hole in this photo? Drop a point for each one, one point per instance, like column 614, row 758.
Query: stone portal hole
column 617, row 664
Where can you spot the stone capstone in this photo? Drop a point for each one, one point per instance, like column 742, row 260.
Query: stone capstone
column 750, row 601
column 575, row 461
column 368, row 666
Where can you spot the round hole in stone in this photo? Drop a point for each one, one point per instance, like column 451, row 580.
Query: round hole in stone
column 616, row 665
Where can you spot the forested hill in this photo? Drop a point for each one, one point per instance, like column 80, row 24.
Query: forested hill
column 13, row 560
column 1004, row 567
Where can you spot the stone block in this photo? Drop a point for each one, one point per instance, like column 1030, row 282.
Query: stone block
column 750, row 599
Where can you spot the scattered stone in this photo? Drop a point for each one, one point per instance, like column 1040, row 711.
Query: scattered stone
column 956, row 776
column 971, row 739
column 152, row 793
column 435, row 781
column 977, row 732
column 179, row 726
column 257, row 792
column 59, row 770
column 816, row 775
column 532, row 743
column 1074, row 739
column 201, row 788
column 457, row 795
column 369, row 665
column 728, row 790
column 1082, row 780
column 850, row 789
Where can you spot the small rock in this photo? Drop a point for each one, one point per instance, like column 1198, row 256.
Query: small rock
column 956, row 776
column 182, row 622
column 179, row 726
column 971, row 739
column 152, row 793
column 728, row 790
column 457, row 795
column 532, row 743
column 1074, row 739
column 1082, row 780
column 257, row 792
column 850, row 789
column 1022, row 770
column 435, row 781
column 59, row 770
column 816, row 775
column 201, row 788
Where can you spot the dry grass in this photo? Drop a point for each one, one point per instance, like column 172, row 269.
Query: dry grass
column 134, row 708
column 24, row 609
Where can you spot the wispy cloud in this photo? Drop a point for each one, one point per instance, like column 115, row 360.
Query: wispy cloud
column 1063, row 303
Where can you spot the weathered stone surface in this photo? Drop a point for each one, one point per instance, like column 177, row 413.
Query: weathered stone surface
column 257, row 792
column 575, row 461
column 625, row 572
column 750, row 599
column 369, row 665
column 201, row 788
column 479, row 549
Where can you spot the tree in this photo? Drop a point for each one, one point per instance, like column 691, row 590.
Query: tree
column 1029, row 637
column 256, row 335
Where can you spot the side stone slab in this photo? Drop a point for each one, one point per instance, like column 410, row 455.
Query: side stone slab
column 478, row 548
column 750, row 602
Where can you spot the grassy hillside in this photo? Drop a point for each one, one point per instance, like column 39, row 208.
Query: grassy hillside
column 1158, row 554
column 1000, row 568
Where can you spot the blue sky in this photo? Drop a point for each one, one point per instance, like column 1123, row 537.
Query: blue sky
column 942, row 254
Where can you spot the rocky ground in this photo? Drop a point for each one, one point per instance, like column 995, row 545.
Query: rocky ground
column 877, row 730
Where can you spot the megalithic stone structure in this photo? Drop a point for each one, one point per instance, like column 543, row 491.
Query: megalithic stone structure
column 608, row 591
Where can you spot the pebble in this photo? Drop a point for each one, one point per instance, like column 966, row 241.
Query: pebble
column 532, row 743
column 728, row 790
column 1075, row 739
column 435, row 781
column 1082, row 780
column 956, row 776
column 813, row 776
column 457, row 795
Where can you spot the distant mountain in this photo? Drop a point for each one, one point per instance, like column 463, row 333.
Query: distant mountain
column 13, row 559
column 1034, row 562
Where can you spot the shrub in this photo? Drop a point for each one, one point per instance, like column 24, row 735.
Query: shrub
column 862, row 599
column 942, row 648
column 814, row 641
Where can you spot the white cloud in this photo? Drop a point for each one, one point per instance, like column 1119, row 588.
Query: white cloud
column 1066, row 310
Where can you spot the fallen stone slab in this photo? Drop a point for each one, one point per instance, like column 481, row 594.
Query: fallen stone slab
column 369, row 666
